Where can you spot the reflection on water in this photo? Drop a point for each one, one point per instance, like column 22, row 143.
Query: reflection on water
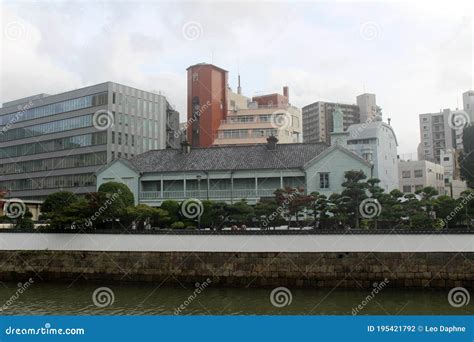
column 150, row 299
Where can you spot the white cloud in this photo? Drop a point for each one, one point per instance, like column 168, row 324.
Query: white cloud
column 419, row 61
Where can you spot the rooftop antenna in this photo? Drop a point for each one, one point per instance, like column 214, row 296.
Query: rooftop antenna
column 239, row 88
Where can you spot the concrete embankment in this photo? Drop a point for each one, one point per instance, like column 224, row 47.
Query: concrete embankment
column 347, row 261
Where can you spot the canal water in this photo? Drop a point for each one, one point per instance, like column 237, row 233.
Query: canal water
column 150, row 299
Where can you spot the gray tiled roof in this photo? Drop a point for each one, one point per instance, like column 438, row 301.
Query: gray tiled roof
column 235, row 157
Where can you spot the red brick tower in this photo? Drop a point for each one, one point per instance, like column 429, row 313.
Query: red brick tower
column 207, row 103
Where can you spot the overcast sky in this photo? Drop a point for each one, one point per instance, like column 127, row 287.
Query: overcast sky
column 415, row 58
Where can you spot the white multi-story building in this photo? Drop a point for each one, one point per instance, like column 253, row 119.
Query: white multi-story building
column 376, row 142
column 252, row 121
column 452, row 175
column 417, row 174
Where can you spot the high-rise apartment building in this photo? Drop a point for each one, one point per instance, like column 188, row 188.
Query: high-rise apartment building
column 437, row 134
column 219, row 116
column 468, row 104
column 367, row 107
column 57, row 142
column 318, row 120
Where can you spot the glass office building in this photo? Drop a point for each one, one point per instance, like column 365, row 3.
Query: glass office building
column 50, row 143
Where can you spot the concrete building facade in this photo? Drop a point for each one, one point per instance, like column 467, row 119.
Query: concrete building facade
column 417, row 174
column 468, row 104
column 436, row 134
column 57, row 142
column 318, row 120
column 367, row 106
column 377, row 143
column 452, row 173
column 252, row 121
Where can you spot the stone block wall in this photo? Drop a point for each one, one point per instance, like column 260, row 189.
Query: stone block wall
column 260, row 269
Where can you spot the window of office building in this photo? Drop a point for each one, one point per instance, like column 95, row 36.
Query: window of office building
column 418, row 173
column 406, row 188
column 406, row 174
column 47, row 128
column 80, row 160
column 78, row 141
column 67, row 181
column 54, row 108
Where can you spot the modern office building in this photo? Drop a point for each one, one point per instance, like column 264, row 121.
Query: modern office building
column 437, row 134
column 377, row 143
column 318, row 120
column 468, row 104
column 233, row 172
column 367, row 107
column 57, row 142
column 219, row 116
column 417, row 174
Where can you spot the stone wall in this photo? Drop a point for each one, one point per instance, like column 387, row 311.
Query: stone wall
column 319, row 269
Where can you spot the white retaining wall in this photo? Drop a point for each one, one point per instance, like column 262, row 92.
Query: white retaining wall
column 238, row 243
